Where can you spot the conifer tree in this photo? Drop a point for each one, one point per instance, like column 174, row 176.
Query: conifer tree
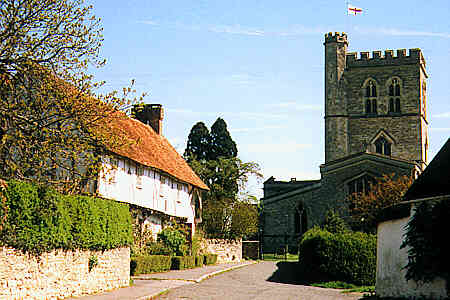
column 222, row 145
column 198, row 145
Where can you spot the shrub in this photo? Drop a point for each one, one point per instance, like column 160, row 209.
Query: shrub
column 349, row 257
column 37, row 219
column 175, row 240
column 146, row 264
column 199, row 260
column 210, row 259
column 183, row 262
column 334, row 223
column 158, row 248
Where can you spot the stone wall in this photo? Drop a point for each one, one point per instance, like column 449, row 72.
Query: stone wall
column 61, row 274
column 227, row 251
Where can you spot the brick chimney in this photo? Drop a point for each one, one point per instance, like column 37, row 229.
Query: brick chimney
column 150, row 114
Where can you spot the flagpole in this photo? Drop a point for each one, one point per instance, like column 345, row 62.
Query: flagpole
column 346, row 18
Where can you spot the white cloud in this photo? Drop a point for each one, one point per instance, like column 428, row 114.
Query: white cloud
column 296, row 106
column 252, row 129
column 227, row 115
column 443, row 115
column 401, row 32
column 236, row 29
column 289, row 147
column 440, row 128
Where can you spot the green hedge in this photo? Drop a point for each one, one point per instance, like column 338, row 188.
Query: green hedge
column 199, row 260
column 37, row 219
column 183, row 262
column 349, row 257
column 210, row 259
column 150, row 264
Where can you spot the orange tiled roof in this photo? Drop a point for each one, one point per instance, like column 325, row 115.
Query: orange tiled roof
column 153, row 150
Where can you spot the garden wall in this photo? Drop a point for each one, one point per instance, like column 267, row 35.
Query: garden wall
column 60, row 274
column 227, row 250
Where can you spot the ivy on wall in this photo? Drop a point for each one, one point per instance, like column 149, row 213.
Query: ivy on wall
column 37, row 219
column 426, row 239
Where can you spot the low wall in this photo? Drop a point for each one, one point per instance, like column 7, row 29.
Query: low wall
column 227, row 251
column 60, row 274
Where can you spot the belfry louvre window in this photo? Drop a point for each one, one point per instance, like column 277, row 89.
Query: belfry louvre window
column 371, row 100
column 394, row 91
column 382, row 146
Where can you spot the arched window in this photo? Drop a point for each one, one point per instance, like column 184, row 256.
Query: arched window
column 394, row 91
column 371, row 101
column 300, row 220
column 382, row 146
column 360, row 185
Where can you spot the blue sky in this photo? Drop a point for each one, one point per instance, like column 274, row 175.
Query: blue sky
column 259, row 66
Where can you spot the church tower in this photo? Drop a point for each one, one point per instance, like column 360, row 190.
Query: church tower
column 336, row 128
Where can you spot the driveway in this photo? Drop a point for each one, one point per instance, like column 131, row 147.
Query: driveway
column 265, row 281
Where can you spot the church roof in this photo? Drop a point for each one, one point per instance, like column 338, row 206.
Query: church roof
column 435, row 179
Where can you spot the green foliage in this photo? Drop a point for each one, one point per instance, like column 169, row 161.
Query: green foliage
column 213, row 157
column 199, row 260
column 425, row 236
column 158, row 248
column 210, row 259
column 174, row 240
column 222, row 145
column 334, row 223
column 93, row 262
column 183, row 262
column 146, row 264
column 349, row 257
column 38, row 219
column 198, row 144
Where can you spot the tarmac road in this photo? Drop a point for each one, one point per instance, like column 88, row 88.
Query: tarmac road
column 265, row 281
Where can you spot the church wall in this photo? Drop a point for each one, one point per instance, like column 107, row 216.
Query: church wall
column 404, row 130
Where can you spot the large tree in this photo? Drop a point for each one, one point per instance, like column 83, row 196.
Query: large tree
column 222, row 145
column 52, row 125
column 227, row 213
column 198, row 145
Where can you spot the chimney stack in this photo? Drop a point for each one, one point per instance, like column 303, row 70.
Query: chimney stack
column 150, row 114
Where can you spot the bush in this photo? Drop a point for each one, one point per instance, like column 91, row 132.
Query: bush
column 199, row 260
column 334, row 223
column 175, row 240
column 349, row 257
column 150, row 264
column 183, row 262
column 210, row 259
column 37, row 219
column 158, row 248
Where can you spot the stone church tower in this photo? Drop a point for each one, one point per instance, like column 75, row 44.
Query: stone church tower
column 374, row 103
column 375, row 124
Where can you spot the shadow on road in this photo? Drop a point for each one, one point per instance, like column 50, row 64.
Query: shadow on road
column 288, row 272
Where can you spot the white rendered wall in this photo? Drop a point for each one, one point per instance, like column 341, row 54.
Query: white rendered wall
column 119, row 181
column 391, row 261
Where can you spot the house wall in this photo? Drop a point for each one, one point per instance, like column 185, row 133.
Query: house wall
column 61, row 274
column 391, row 261
column 127, row 181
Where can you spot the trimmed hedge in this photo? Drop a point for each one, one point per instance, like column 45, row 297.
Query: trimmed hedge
column 349, row 257
column 210, row 259
column 150, row 264
column 183, row 262
column 37, row 219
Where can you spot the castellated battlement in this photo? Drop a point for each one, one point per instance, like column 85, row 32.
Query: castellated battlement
column 387, row 58
column 340, row 37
